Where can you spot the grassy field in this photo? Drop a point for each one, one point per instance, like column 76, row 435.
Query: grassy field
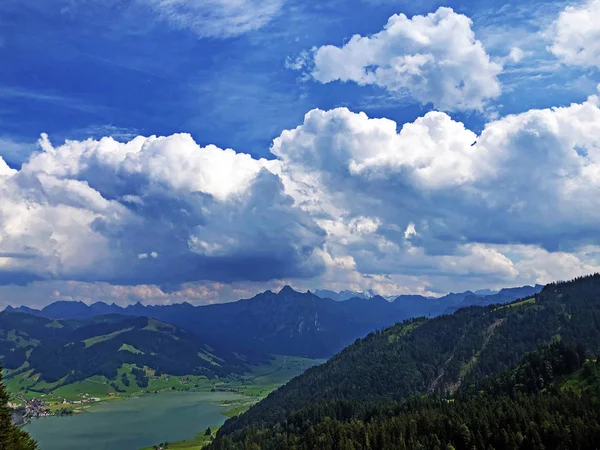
column 55, row 324
column 256, row 384
column 528, row 301
column 264, row 379
column 237, row 410
column 406, row 329
column 21, row 339
column 130, row 349
column 156, row 325
column 95, row 387
column 183, row 383
column 106, row 337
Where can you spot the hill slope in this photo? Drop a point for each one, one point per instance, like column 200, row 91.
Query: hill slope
column 57, row 352
column 441, row 354
column 531, row 406
column 504, row 296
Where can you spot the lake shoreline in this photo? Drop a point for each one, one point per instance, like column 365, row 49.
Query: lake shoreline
column 137, row 423
column 219, row 399
column 86, row 409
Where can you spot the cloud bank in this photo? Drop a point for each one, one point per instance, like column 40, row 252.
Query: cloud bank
column 348, row 201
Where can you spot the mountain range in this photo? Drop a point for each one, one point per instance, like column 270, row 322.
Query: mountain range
column 434, row 346
column 287, row 322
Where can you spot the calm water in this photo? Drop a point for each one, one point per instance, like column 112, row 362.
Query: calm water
column 132, row 424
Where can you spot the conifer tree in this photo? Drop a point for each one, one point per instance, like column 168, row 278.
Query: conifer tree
column 11, row 436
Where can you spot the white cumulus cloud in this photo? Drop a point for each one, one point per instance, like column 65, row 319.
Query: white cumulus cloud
column 576, row 35
column 435, row 58
column 5, row 170
column 349, row 201
column 527, row 180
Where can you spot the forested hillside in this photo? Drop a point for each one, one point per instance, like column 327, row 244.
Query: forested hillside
column 440, row 355
column 58, row 352
column 551, row 400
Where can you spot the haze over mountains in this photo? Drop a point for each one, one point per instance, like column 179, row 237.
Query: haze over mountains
column 287, row 322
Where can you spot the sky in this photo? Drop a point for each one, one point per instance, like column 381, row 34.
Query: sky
column 206, row 150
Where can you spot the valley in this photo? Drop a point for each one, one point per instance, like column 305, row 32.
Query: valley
column 90, row 366
column 79, row 395
column 66, row 367
column 136, row 423
column 159, row 412
column 299, row 225
column 73, row 354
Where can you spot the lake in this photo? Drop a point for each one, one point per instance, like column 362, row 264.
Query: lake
column 133, row 423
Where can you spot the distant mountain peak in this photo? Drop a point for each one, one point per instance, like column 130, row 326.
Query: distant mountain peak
column 485, row 292
column 342, row 295
column 287, row 290
column 99, row 303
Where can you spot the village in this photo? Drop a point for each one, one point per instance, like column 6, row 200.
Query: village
column 24, row 409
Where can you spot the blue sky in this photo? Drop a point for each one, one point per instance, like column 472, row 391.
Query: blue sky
column 75, row 69
column 236, row 74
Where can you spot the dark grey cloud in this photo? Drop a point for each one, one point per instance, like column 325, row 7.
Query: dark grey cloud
column 156, row 210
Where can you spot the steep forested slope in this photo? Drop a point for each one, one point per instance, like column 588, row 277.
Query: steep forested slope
column 551, row 400
column 441, row 354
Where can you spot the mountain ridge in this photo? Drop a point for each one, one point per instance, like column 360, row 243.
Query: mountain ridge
column 64, row 309
column 287, row 322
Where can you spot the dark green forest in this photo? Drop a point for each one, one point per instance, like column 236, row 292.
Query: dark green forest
column 551, row 400
column 397, row 386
